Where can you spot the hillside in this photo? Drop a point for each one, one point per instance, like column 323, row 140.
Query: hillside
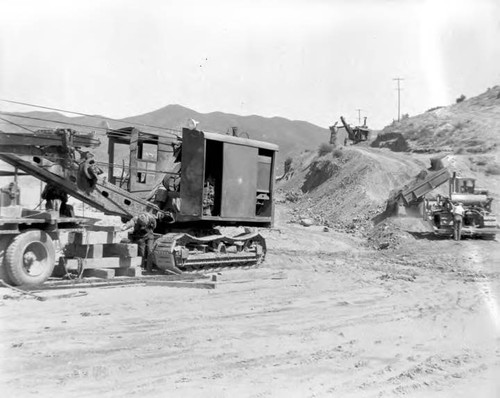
column 471, row 126
column 346, row 188
column 291, row 136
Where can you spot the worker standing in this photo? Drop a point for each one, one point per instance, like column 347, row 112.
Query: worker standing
column 458, row 216
column 142, row 234
column 57, row 199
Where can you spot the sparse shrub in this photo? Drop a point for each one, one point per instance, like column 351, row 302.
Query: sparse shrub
column 460, row 99
column 405, row 116
column 493, row 169
column 288, row 163
column 474, row 142
column 478, row 149
column 479, row 161
column 337, row 153
column 324, row 149
column 293, row 196
column 434, row 109
column 459, row 125
column 459, row 150
column 498, row 95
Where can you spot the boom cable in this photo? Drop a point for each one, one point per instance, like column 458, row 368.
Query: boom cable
column 171, row 130
column 18, row 125
column 50, row 128
column 65, row 123
column 51, row 121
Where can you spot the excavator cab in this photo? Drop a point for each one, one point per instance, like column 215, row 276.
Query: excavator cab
column 138, row 160
column 462, row 185
column 209, row 178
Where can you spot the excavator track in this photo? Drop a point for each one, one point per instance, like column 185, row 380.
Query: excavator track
column 182, row 252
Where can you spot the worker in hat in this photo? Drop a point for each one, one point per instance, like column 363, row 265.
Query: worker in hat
column 458, row 217
column 142, row 234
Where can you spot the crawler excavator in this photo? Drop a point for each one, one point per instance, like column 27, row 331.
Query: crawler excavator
column 191, row 183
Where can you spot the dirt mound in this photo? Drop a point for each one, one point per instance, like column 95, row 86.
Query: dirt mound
column 394, row 141
column 387, row 235
column 470, row 126
column 396, row 231
column 347, row 190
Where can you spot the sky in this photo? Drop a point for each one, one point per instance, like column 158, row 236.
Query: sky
column 302, row 60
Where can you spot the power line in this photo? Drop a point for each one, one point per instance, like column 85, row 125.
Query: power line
column 173, row 131
column 399, row 79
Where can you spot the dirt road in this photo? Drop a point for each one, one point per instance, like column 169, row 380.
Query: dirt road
column 323, row 316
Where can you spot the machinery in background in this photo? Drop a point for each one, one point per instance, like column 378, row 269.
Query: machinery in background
column 356, row 134
column 478, row 219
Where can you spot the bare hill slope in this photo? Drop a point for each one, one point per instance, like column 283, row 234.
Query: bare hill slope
column 471, row 126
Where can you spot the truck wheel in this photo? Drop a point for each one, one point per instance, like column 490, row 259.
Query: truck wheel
column 30, row 258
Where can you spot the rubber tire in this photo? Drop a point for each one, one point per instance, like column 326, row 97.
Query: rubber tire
column 13, row 261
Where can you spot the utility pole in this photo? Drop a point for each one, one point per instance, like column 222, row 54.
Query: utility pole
column 398, row 79
column 359, row 116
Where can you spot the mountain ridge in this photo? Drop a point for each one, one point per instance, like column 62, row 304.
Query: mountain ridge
column 292, row 136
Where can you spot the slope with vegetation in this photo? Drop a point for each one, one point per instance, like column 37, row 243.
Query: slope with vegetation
column 468, row 126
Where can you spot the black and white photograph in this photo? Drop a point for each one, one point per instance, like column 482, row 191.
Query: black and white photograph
column 250, row 198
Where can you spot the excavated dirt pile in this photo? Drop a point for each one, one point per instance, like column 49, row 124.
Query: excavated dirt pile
column 396, row 232
column 387, row 235
column 345, row 189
